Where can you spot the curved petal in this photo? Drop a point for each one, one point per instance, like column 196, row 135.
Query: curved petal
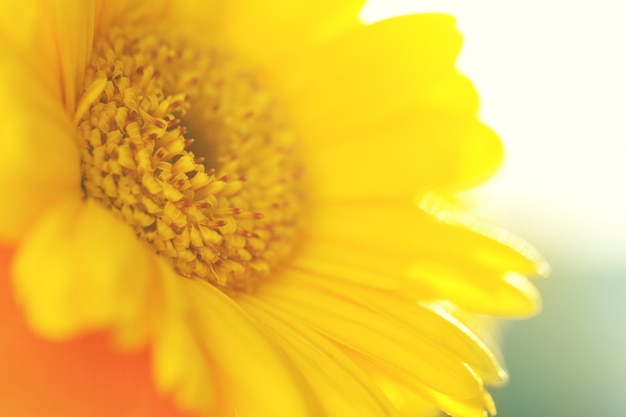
column 70, row 274
column 162, row 16
column 498, row 248
column 255, row 372
column 19, row 22
column 479, row 290
column 475, row 289
column 438, row 152
column 272, row 32
column 82, row 270
column 405, row 231
column 388, row 95
column 414, row 401
column 401, row 248
column 363, row 330
column 439, row 322
column 38, row 155
column 181, row 365
column 345, row 389
column 73, row 26
column 376, row 72
column 75, row 378
column 24, row 29
column 444, row 233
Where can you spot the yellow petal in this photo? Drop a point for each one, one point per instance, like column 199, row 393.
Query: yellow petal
column 162, row 16
column 440, row 322
column 244, row 357
column 70, row 279
column 421, row 402
column 437, row 152
column 404, row 249
column 478, row 406
column 384, row 70
column 130, row 12
column 498, row 249
column 359, row 328
column 18, row 23
column 181, row 367
column 38, row 155
column 272, row 32
column 82, row 270
column 479, row 290
column 55, row 38
column 404, row 232
column 382, row 111
column 345, row 389
column 24, row 28
column 395, row 295
column 73, row 29
column 457, row 332
column 181, row 363
column 349, row 263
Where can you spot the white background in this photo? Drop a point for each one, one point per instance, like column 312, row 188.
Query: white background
column 552, row 78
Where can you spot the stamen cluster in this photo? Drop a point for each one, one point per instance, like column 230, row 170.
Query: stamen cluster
column 188, row 148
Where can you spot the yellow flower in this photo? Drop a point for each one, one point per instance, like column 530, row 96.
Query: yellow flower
column 261, row 195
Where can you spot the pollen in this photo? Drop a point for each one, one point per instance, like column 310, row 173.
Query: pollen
column 187, row 146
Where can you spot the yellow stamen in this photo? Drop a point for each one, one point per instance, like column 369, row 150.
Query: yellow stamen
column 222, row 206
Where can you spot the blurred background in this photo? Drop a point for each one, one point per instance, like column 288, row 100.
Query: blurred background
column 552, row 77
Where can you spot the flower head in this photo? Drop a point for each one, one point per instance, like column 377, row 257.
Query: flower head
column 259, row 199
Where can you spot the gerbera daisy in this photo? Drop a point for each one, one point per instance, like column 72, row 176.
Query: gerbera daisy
column 246, row 208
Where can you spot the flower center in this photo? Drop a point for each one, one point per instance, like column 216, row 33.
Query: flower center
column 189, row 149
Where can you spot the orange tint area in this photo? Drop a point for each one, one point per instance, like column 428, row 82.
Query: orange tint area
column 77, row 378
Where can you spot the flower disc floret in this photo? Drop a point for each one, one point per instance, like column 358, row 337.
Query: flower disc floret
column 189, row 149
